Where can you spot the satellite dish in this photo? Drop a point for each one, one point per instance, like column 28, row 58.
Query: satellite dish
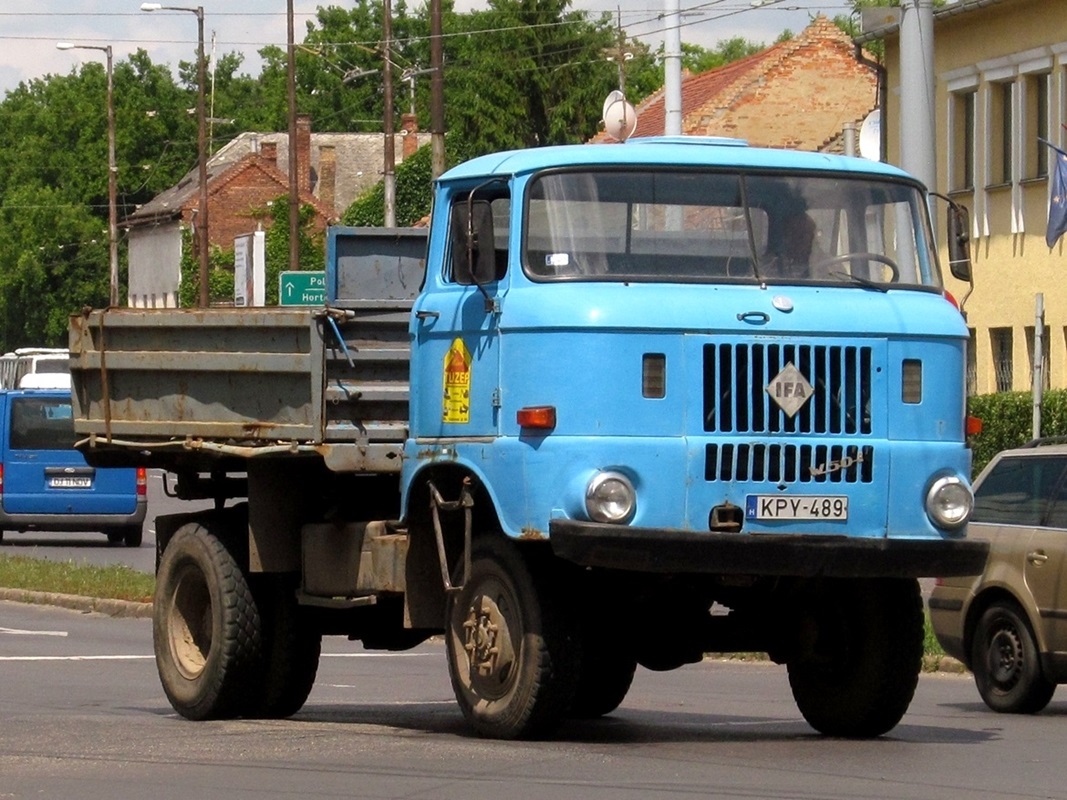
column 613, row 96
column 871, row 136
column 620, row 120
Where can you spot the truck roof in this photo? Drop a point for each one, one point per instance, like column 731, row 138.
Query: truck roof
column 683, row 151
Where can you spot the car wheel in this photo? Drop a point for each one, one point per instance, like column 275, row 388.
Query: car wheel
column 206, row 627
column 1004, row 658
column 133, row 536
column 115, row 535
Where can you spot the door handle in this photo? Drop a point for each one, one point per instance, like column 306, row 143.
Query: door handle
column 425, row 315
column 1036, row 557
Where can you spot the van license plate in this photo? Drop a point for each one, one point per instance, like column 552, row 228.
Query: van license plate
column 70, row 482
column 809, row 506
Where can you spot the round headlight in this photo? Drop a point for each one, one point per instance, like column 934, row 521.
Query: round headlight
column 610, row 497
column 949, row 502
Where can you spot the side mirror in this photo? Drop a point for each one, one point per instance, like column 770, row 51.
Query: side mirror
column 473, row 246
column 959, row 242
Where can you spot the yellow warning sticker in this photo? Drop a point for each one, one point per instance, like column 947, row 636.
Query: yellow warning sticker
column 457, row 396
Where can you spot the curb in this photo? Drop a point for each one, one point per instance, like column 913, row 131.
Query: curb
column 112, row 608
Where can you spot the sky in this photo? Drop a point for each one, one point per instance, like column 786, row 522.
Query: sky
column 28, row 38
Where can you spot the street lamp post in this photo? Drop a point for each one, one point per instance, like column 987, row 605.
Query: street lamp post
column 201, row 118
column 112, row 171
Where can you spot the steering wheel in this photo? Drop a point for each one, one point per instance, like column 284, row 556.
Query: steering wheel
column 849, row 257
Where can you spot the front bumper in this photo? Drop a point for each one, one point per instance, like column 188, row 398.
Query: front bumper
column 673, row 551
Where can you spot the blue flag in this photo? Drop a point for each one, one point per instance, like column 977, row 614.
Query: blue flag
column 1057, row 203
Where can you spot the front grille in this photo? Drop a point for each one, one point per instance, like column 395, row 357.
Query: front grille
column 736, row 377
column 789, row 463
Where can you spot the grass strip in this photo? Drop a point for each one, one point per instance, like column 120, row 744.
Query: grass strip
column 115, row 582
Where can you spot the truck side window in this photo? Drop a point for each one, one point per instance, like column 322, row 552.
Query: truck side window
column 501, row 211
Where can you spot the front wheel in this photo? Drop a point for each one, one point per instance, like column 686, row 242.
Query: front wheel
column 510, row 649
column 205, row 627
column 1005, row 662
column 859, row 669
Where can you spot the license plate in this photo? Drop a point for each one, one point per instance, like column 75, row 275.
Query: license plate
column 70, row 482
column 809, row 506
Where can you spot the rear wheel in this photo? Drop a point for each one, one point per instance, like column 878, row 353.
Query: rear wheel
column 291, row 648
column 511, row 654
column 1004, row 658
column 859, row 670
column 133, row 536
column 206, row 628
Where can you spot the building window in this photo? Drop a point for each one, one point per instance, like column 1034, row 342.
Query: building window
column 1000, row 340
column 1000, row 130
column 1037, row 105
column 972, row 363
column 1046, row 351
column 963, row 106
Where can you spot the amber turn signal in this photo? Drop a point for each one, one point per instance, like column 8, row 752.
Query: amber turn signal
column 538, row 417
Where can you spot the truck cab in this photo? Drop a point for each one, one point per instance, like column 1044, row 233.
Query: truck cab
column 659, row 342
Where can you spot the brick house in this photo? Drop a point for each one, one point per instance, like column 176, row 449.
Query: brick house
column 244, row 177
column 797, row 94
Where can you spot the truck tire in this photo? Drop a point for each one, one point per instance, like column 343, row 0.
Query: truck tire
column 604, row 678
column 859, row 676
column 205, row 627
column 1007, row 670
column 291, row 648
column 511, row 654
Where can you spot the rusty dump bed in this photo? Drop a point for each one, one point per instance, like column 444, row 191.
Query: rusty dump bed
column 246, row 382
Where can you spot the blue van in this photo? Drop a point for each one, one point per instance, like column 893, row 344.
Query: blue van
column 46, row 485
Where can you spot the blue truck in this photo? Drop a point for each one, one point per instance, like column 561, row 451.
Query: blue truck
column 619, row 406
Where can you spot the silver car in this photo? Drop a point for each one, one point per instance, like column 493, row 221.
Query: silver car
column 1009, row 624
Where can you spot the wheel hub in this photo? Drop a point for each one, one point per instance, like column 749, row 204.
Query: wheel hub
column 190, row 624
column 487, row 642
column 1005, row 657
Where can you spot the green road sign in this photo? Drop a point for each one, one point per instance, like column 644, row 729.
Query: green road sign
column 302, row 288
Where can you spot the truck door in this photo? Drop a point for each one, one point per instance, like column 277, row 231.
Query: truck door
column 456, row 356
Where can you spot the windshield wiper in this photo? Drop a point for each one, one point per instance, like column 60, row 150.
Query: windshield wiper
column 865, row 282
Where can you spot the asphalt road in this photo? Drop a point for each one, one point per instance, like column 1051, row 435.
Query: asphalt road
column 82, row 715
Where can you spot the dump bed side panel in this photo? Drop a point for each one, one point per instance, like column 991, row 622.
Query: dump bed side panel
column 243, row 375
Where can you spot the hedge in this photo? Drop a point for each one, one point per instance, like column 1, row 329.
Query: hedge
column 1007, row 421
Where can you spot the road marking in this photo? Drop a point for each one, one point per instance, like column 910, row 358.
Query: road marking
column 75, row 658
column 145, row 658
column 17, row 632
column 377, row 655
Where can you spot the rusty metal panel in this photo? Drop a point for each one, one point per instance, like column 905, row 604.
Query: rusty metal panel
column 233, row 374
column 353, row 559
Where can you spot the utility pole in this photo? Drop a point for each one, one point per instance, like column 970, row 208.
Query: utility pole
column 389, row 171
column 294, row 180
column 672, row 69
column 917, row 154
column 621, row 54
column 437, row 92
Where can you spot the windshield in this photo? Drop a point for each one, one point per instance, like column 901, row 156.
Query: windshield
column 658, row 225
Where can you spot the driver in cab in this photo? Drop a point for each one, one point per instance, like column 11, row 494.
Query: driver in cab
column 792, row 254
